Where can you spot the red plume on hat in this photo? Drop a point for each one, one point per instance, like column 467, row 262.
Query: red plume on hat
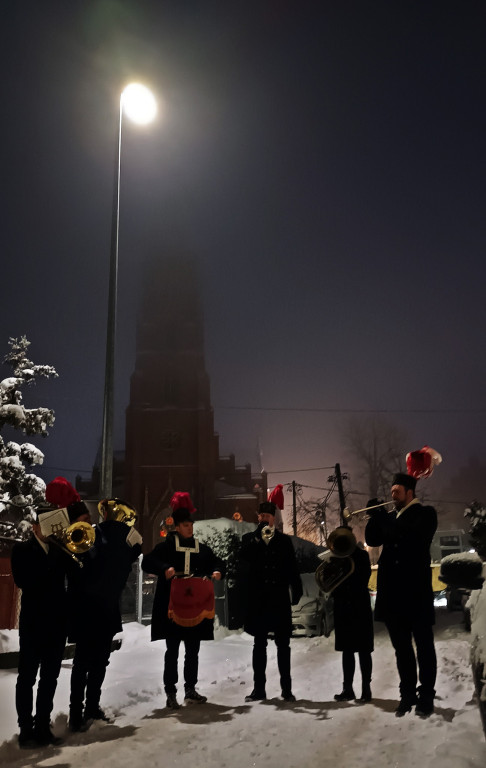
column 182, row 500
column 60, row 493
column 421, row 463
column 276, row 496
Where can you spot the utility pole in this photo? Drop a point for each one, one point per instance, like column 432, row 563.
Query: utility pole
column 294, row 509
column 342, row 501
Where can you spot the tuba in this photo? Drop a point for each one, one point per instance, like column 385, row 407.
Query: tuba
column 337, row 564
column 117, row 510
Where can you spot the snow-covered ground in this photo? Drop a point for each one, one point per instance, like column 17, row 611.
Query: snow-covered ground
column 229, row 733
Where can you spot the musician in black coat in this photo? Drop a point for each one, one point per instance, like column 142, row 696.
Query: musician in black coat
column 353, row 626
column 95, row 618
column 180, row 554
column 405, row 600
column 268, row 570
column 39, row 570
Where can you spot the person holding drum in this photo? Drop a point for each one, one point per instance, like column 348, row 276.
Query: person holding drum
column 183, row 609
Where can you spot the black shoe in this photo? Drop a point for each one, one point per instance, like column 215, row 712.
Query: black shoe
column 26, row 738
column 172, row 702
column 78, row 724
column 365, row 695
column 257, row 694
column 288, row 696
column 44, row 737
column 96, row 713
column 193, row 696
column 425, row 707
column 346, row 695
column 404, row 707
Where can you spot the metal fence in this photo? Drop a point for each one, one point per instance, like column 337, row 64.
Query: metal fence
column 138, row 597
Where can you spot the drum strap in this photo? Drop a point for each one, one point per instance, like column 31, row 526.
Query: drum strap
column 187, row 553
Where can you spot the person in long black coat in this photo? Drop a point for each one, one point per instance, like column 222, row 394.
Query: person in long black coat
column 353, row 626
column 405, row 599
column 39, row 570
column 94, row 619
column 180, row 554
column 268, row 573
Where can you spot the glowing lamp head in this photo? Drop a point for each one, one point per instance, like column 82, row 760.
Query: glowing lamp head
column 139, row 103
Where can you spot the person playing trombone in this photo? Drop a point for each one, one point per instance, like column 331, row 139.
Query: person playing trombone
column 405, row 600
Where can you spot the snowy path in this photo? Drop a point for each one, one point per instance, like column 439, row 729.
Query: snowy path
column 229, row 733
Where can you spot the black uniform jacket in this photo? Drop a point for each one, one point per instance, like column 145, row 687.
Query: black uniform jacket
column 164, row 556
column 94, row 590
column 404, row 586
column 353, row 617
column 42, row 579
column 266, row 574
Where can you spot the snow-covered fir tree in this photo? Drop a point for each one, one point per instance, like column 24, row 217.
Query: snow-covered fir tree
column 20, row 491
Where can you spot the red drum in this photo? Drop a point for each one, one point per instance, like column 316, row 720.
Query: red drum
column 191, row 601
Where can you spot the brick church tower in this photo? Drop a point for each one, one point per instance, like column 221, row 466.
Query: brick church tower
column 170, row 440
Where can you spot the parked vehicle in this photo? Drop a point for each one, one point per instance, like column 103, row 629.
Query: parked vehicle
column 314, row 613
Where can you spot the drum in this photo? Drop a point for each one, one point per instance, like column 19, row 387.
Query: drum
column 191, row 601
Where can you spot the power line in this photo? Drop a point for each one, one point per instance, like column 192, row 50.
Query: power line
column 288, row 471
column 349, row 410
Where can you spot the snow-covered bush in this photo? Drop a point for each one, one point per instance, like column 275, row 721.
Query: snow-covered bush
column 477, row 516
column 20, row 491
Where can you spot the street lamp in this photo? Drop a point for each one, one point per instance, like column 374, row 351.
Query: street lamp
column 139, row 105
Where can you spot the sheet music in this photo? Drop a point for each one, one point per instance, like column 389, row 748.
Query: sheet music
column 54, row 521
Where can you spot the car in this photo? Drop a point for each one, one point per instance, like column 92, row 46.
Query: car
column 314, row 613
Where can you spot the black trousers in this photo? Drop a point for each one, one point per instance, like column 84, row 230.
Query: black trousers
column 259, row 659
column 401, row 632
column 349, row 666
column 38, row 654
column 91, row 658
column 191, row 662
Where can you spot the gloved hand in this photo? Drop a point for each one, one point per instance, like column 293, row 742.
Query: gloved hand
column 374, row 503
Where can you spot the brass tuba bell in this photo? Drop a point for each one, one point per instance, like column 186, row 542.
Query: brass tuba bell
column 118, row 510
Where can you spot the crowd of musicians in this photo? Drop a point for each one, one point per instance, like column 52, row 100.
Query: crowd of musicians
column 78, row 598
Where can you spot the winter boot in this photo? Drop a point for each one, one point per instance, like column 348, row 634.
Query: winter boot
column 257, row 694
column 193, row 697
column 172, row 702
column 26, row 738
column 365, row 694
column 346, row 694
column 425, row 706
column 288, row 695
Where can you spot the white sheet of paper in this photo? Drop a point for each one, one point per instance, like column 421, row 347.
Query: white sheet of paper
column 54, row 521
column 133, row 537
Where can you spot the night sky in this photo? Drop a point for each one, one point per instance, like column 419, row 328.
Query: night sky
column 324, row 163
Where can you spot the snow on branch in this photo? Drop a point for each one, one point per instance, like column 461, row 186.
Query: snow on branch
column 20, row 491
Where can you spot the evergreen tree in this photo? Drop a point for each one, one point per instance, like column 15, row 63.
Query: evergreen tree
column 20, row 491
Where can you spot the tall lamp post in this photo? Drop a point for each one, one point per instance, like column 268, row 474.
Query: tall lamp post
column 138, row 104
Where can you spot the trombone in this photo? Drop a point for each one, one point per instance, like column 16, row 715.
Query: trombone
column 347, row 514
